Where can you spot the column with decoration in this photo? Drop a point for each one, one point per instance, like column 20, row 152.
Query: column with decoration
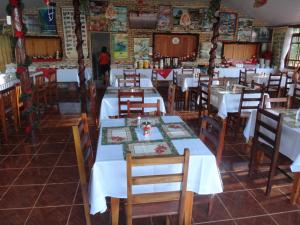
column 15, row 9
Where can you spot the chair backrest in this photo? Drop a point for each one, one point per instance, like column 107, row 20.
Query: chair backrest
column 40, row 81
column 204, row 78
column 175, row 78
column 93, row 102
column 213, row 132
column 129, row 71
column 132, row 107
column 277, row 103
column 84, row 155
column 250, row 71
column 216, row 74
column 258, row 86
column 146, row 201
column 243, row 78
column 220, row 80
column 274, row 82
column 135, row 96
column 268, row 130
column 154, row 78
column 288, row 82
column 188, row 71
column 53, row 77
column 171, row 99
column 296, row 95
column 8, row 98
column 250, row 99
column 130, row 80
column 204, row 99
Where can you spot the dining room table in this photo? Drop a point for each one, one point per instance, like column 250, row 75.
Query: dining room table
column 145, row 81
column 170, row 135
column 109, row 103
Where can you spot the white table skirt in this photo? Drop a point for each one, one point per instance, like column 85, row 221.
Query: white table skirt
column 235, row 72
column 289, row 142
column 144, row 81
column 108, row 175
column 109, row 104
column 71, row 75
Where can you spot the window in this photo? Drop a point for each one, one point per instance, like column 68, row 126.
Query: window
column 293, row 57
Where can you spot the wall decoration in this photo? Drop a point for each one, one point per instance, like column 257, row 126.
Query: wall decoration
column 142, row 20
column 48, row 20
column 119, row 19
column 262, row 34
column 69, row 32
column 98, row 21
column 244, row 29
column 120, row 46
column 32, row 24
column 176, row 14
column 194, row 17
column 204, row 49
column 185, row 19
column 204, row 22
column 141, row 48
column 164, row 18
column 227, row 26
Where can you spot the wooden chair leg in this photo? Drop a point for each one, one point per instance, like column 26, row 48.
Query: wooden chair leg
column 272, row 173
column 4, row 127
column 253, row 161
column 115, row 207
column 210, row 204
column 296, row 189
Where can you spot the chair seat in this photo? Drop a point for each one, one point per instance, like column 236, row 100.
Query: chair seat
column 155, row 209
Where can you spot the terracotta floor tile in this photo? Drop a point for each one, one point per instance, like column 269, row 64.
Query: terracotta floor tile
column 18, row 161
column 230, row 182
column 57, row 194
column 33, row 176
column 6, row 149
column 44, row 160
column 67, row 159
column 289, row 218
column 226, row 222
column 20, row 196
column 64, row 175
column 52, row 148
column 3, row 190
column 234, row 200
column 49, row 216
column 261, row 220
column 54, row 138
column 234, row 163
column 8, row 175
column 277, row 202
column 14, row 216
column 25, row 149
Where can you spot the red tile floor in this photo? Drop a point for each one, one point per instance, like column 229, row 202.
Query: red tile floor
column 39, row 185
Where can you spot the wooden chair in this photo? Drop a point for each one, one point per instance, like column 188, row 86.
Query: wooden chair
column 273, row 86
column 204, row 99
column 250, row 100
column 20, row 105
column 296, row 95
column 288, row 82
column 243, row 78
column 154, row 78
column 250, row 71
column 167, row 203
column 93, row 103
column 40, row 90
column 124, row 95
column 266, row 141
column 133, row 106
column 129, row 71
column 277, row 103
column 136, row 78
column 258, row 86
column 188, row 71
column 8, row 109
column 179, row 95
column 84, row 155
column 221, row 80
column 52, row 87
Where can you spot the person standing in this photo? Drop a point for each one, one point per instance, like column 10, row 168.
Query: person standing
column 104, row 63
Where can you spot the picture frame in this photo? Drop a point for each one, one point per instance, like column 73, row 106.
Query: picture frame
column 176, row 16
column 120, row 46
column 120, row 22
column 262, row 34
column 244, row 29
column 204, row 49
column 32, row 24
column 205, row 23
column 228, row 26
column 141, row 48
column 47, row 18
column 194, row 17
column 164, row 22
column 97, row 9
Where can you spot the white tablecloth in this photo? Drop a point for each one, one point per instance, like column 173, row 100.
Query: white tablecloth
column 235, row 72
column 289, row 143
column 115, row 72
column 108, row 176
column 71, row 75
column 145, row 81
column 109, row 104
column 261, row 79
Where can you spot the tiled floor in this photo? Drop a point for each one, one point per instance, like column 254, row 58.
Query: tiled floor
column 39, row 185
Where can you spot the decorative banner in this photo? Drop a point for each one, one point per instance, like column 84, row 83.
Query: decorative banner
column 141, row 48
column 119, row 22
column 120, row 46
column 261, row 34
column 70, row 40
column 98, row 21
column 227, row 26
column 244, row 29
column 164, row 18
column 32, row 24
column 204, row 21
column 48, row 20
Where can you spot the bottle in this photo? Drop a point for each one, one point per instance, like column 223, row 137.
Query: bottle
column 138, row 122
column 298, row 115
column 227, row 86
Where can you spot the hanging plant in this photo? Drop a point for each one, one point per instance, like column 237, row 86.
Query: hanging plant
column 213, row 10
column 259, row 3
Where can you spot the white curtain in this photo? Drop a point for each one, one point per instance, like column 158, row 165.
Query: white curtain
column 286, row 46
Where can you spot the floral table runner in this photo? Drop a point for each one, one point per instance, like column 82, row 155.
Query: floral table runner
column 154, row 148
column 289, row 117
column 116, row 135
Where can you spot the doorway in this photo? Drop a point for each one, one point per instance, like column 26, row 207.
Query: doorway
column 98, row 40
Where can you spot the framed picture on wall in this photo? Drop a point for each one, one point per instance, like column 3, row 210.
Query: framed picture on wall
column 120, row 46
column 164, row 22
column 204, row 49
column 194, row 17
column 244, row 29
column 141, row 48
column 204, row 21
column 262, row 34
column 48, row 20
column 176, row 15
column 32, row 23
column 97, row 9
column 119, row 22
column 227, row 26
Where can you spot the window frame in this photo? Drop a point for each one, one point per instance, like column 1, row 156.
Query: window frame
column 296, row 61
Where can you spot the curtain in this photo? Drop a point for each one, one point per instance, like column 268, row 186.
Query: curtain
column 286, row 47
column 5, row 51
